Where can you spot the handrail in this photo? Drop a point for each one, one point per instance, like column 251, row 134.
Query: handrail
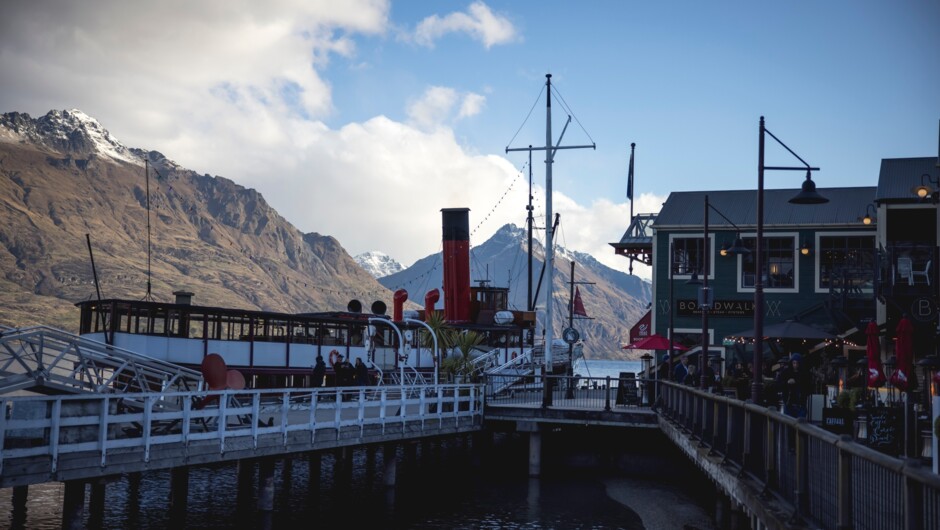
column 797, row 461
column 99, row 424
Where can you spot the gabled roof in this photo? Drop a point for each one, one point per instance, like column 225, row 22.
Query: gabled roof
column 846, row 207
column 900, row 175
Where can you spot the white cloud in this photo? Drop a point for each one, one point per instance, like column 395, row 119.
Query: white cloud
column 478, row 21
column 237, row 93
column 435, row 108
column 472, row 105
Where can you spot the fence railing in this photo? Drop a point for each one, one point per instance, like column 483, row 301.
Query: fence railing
column 102, row 424
column 829, row 480
column 595, row 393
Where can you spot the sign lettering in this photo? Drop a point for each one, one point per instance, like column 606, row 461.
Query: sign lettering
column 720, row 308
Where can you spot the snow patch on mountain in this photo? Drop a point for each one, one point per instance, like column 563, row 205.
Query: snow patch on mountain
column 378, row 264
column 67, row 131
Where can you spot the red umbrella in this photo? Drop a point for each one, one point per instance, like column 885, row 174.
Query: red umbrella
column 654, row 342
column 903, row 350
column 876, row 376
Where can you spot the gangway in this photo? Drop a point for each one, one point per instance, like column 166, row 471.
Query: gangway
column 51, row 361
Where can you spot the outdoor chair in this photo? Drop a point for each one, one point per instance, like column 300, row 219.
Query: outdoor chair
column 924, row 273
column 906, row 270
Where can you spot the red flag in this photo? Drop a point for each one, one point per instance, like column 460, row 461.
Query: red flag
column 578, row 304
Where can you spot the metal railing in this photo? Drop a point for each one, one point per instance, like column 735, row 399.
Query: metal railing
column 102, row 425
column 828, row 480
column 593, row 393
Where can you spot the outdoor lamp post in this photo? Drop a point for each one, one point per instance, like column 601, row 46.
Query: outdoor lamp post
column 925, row 189
column 705, row 295
column 807, row 195
column 870, row 212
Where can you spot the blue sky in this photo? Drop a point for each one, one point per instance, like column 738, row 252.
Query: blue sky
column 362, row 119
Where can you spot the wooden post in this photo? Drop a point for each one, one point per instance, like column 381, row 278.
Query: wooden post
column 535, row 453
column 18, row 513
column 266, row 484
column 73, row 505
column 96, row 504
column 314, row 468
column 245, row 471
column 179, row 489
column 390, row 463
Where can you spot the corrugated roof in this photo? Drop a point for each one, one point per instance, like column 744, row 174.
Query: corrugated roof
column 845, row 207
column 900, row 175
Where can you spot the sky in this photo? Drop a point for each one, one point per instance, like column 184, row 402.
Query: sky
column 361, row 119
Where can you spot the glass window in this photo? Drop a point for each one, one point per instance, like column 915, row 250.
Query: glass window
column 778, row 262
column 846, row 259
column 687, row 255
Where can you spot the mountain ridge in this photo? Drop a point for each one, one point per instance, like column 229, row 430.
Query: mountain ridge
column 65, row 178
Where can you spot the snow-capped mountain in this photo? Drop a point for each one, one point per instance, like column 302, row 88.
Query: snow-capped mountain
column 614, row 300
column 67, row 131
column 378, row 264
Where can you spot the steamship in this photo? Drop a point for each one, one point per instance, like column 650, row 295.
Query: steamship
column 278, row 350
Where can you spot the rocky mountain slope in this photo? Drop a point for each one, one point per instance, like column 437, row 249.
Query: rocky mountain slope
column 63, row 176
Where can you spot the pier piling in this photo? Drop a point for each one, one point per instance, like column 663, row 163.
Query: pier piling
column 266, row 485
column 390, row 464
column 73, row 505
column 179, row 489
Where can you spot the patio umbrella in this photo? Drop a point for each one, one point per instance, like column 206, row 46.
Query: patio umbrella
column 790, row 329
column 876, row 376
column 903, row 350
column 654, row 342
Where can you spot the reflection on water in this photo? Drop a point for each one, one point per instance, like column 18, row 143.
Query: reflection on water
column 441, row 485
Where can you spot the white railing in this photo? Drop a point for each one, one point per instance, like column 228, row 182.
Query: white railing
column 514, row 369
column 101, row 424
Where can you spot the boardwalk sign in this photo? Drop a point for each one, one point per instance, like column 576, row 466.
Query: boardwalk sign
column 720, row 308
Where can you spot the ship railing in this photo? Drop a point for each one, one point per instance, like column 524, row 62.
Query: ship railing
column 824, row 479
column 97, row 426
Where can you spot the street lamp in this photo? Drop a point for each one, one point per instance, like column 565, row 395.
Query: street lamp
column 925, row 189
column 869, row 214
column 705, row 298
column 807, row 195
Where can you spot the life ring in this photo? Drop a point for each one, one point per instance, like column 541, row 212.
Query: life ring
column 334, row 357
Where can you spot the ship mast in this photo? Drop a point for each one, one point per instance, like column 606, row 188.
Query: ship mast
column 549, row 243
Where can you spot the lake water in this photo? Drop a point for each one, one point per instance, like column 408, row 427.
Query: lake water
column 604, row 368
column 604, row 479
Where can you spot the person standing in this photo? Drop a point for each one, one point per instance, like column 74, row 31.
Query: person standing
column 319, row 372
column 681, row 370
column 795, row 386
column 362, row 373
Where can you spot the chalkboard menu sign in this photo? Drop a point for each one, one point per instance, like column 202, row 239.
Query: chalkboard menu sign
column 885, row 430
column 838, row 421
column 626, row 390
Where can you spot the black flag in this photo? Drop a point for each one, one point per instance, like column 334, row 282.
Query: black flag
column 630, row 175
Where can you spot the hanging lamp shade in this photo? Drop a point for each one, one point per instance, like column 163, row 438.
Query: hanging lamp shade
column 808, row 193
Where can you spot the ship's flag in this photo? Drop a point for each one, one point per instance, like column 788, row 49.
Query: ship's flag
column 630, row 176
column 578, row 304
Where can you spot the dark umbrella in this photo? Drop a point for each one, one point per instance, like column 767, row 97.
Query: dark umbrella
column 654, row 342
column 790, row 329
column 903, row 350
column 876, row 376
